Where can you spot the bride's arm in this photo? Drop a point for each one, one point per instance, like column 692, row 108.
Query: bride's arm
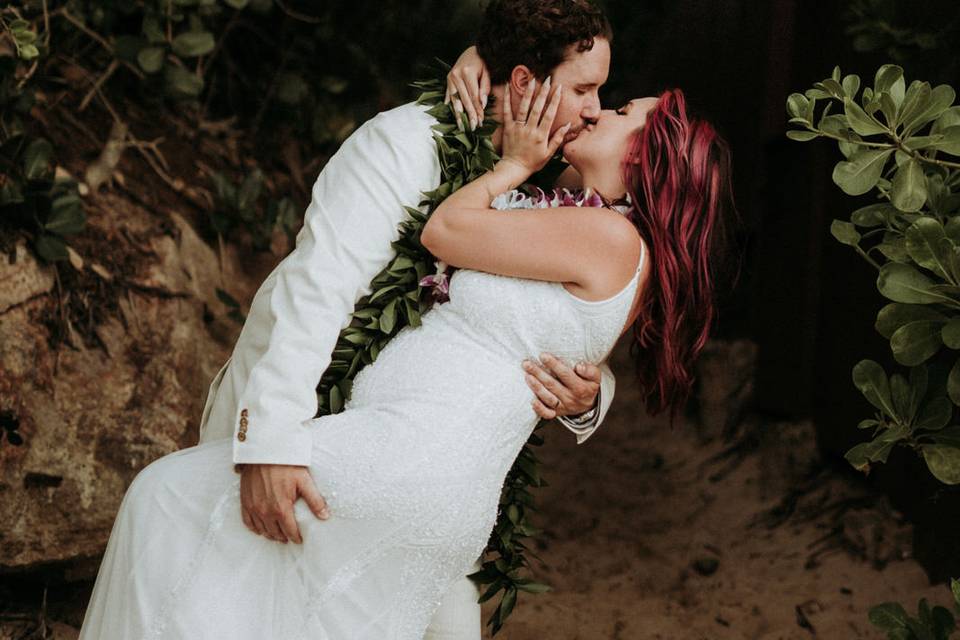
column 565, row 244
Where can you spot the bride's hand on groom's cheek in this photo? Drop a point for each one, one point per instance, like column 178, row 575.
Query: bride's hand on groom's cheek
column 561, row 390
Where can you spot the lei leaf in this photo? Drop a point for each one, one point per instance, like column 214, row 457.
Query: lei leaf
column 397, row 300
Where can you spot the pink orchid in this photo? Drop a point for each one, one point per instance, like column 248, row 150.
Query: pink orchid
column 439, row 282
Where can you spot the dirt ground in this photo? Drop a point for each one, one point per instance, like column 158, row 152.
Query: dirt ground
column 632, row 514
column 649, row 537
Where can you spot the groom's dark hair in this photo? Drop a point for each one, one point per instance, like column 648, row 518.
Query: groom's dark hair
column 536, row 33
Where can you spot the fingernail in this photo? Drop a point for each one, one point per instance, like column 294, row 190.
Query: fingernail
column 483, row 100
column 324, row 513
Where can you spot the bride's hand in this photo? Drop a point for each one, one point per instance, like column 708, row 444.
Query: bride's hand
column 468, row 85
column 526, row 134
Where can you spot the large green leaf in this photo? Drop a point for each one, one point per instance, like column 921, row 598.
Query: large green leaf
column 922, row 238
column 870, row 378
column 940, row 98
column 916, row 342
column 889, row 79
column 909, row 191
column 895, row 314
column 859, row 120
column 943, row 462
column 861, row 172
column 903, row 283
column 935, row 414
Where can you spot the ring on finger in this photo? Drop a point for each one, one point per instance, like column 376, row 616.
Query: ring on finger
column 520, row 122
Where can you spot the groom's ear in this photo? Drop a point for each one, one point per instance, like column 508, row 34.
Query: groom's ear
column 519, row 79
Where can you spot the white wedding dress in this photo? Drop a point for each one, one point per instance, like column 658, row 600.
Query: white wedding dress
column 412, row 471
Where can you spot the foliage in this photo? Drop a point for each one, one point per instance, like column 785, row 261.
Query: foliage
column 896, row 140
column 32, row 197
column 908, row 32
column 238, row 206
column 930, row 624
column 397, row 300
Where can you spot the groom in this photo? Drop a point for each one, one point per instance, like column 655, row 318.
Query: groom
column 264, row 395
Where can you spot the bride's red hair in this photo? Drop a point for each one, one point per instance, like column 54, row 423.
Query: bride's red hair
column 677, row 173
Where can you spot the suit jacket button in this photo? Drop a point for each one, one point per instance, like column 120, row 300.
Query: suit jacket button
column 241, row 436
column 243, row 412
column 243, row 422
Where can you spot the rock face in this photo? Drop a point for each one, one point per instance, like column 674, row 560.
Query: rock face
column 92, row 413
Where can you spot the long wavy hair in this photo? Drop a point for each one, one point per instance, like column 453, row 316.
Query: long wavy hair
column 677, row 173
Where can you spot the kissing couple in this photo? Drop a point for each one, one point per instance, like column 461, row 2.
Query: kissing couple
column 400, row 490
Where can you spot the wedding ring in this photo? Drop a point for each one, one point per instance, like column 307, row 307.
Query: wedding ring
column 520, row 122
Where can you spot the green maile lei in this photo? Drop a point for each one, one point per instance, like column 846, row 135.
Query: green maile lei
column 397, row 300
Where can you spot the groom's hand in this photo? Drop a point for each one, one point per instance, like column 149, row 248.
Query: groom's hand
column 267, row 495
column 561, row 390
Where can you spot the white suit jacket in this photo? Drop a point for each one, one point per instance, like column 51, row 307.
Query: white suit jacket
column 265, row 394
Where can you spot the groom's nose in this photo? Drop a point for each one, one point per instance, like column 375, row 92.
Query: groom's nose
column 591, row 110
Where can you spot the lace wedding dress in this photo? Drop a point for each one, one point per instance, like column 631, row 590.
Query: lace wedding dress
column 412, row 472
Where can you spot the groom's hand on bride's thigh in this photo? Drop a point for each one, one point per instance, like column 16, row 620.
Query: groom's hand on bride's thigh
column 267, row 495
column 561, row 390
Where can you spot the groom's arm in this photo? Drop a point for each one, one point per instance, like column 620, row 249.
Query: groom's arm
column 578, row 398
column 585, row 424
column 355, row 208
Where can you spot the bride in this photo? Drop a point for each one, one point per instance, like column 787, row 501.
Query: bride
column 412, row 469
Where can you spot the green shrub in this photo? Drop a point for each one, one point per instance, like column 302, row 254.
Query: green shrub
column 897, row 142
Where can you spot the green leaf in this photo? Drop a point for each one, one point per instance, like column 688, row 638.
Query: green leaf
column 889, row 79
column 802, row 136
column 916, row 342
column 943, row 462
column 861, row 172
column 192, row 44
column 888, row 616
column 150, row 59
column 797, row 105
column 51, row 248
column 66, row 216
column 180, row 82
column 388, row 318
column 860, row 121
column 870, row 378
column 941, row 97
column 951, row 333
column 872, row 215
column 336, row 399
column 903, row 283
column 935, row 415
column 845, row 233
column 953, row 383
column 37, row 158
column 923, row 244
column 909, row 187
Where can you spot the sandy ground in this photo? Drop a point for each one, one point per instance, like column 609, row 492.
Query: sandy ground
column 637, row 516
column 630, row 512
